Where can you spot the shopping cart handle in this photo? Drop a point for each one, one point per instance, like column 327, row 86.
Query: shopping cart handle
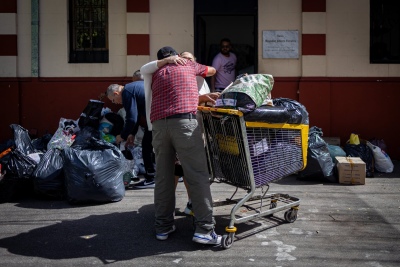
column 220, row 110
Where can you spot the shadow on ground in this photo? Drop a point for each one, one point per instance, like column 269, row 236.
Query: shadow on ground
column 112, row 237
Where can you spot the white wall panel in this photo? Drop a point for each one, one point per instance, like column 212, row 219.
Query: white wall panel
column 314, row 66
column 134, row 63
column 171, row 23
column 24, row 58
column 8, row 23
column 314, row 22
column 280, row 67
column 137, row 23
column 8, row 66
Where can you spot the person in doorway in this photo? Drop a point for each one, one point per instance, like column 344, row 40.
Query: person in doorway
column 173, row 99
column 225, row 64
column 131, row 96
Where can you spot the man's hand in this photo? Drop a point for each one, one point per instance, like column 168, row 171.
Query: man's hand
column 177, row 60
column 118, row 139
column 171, row 60
column 130, row 141
column 210, row 97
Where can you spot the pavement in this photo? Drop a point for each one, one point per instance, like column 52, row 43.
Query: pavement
column 337, row 225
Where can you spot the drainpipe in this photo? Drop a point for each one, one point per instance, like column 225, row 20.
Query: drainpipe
column 35, row 38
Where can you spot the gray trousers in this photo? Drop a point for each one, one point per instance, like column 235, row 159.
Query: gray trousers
column 184, row 137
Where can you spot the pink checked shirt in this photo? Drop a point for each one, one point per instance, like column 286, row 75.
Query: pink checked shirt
column 174, row 89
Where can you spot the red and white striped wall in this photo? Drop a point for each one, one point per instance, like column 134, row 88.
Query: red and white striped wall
column 138, row 34
column 314, row 38
column 8, row 38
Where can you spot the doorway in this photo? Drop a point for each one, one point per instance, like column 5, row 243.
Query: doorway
column 236, row 20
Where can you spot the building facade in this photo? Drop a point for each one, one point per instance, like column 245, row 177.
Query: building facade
column 332, row 75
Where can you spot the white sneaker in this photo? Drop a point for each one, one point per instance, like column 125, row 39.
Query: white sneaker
column 211, row 238
column 180, row 179
column 164, row 236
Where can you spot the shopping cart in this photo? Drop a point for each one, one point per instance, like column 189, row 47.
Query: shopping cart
column 249, row 156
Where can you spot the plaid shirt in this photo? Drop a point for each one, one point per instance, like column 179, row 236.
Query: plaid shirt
column 174, row 89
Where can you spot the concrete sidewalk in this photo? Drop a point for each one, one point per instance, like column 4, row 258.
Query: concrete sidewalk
column 337, row 225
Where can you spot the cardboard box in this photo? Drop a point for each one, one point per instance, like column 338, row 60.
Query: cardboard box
column 351, row 170
column 335, row 141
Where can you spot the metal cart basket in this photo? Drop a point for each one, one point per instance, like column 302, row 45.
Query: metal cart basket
column 250, row 155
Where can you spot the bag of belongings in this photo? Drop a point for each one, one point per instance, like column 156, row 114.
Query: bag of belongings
column 246, row 93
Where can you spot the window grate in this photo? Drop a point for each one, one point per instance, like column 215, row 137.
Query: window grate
column 384, row 31
column 88, row 31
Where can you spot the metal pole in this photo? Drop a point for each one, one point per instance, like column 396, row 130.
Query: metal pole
column 35, row 38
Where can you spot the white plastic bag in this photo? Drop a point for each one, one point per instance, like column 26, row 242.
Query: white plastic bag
column 383, row 163
column 65, row 134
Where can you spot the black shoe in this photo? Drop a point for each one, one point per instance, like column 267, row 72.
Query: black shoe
column 145, row 184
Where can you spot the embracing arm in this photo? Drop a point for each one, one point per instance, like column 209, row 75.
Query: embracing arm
column 147, row 71
column 210, row 71
column 152, row 66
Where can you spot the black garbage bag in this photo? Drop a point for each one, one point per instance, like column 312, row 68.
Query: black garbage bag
column 268, row 114
column 91, row 115
column 13, row 188
column 41, row 142
column 22, row 140
column 297, row 111
column 319, row 160
column 117, row 121
column 48, row 177
column 365, row 153
column 7, row 189
column 94, row 172
column 84, row 137
column 20, row 165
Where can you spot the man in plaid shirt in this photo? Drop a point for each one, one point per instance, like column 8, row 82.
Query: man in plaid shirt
column 174, row 100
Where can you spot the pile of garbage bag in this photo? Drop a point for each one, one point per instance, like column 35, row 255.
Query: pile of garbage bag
column 76, row 163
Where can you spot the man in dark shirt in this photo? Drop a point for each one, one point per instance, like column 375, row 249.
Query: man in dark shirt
column 174, row 104
column 131, row 96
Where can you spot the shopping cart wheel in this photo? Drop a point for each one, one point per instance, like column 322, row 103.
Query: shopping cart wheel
column 227, row 240
column 291, row 215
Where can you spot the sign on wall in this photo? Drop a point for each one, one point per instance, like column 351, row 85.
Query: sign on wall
column 280, row 44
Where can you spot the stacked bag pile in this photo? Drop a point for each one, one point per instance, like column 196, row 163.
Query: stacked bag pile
column 75, row 163
column 321, row 158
